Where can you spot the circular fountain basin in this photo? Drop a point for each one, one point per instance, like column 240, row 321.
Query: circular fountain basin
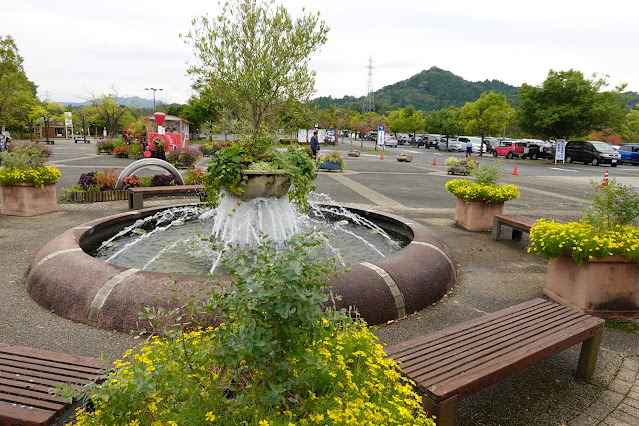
column 66, row 280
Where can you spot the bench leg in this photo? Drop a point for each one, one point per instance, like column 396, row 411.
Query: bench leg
column 496, row 228
column 588, row 356
column 444, row 411
column 136, row 201
column 516, row 234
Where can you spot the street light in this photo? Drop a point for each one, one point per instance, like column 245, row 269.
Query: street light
column 154, row 90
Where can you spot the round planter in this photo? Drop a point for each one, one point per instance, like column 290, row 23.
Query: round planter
column 24, row 199
column 405, row 158
column 476, row 215
column 353, row 153
column 265, row 184
column 607, row 288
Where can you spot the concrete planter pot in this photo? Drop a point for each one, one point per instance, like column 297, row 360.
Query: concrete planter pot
column 353, row 153
column 24, row 199
column 607, row 288
column 404, row 158
column 476, row 215
column 329, row 165
column 265, row 184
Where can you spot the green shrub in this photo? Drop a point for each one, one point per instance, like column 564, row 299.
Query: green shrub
column 471, row 191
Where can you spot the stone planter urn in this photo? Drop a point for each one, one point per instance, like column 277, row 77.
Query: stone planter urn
column 607, row 288
column 404, row 158
column 353, row 153
column 25, row 199
column 476, row 215
column 265, row 184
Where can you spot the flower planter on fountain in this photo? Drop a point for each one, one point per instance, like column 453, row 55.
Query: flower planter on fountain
column 329, row 165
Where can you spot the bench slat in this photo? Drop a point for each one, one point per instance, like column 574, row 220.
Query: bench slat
column 11, row 414
column 40, row 354
column 523, row 222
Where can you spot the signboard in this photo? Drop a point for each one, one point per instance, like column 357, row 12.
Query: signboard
column 560, row 150
column 301, row 136
column 68, row 119
column 321, row 135
column 381, row 135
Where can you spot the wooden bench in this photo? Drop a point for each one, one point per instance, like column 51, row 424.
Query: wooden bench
column 49, row 142
column 518, row 223
column 454, row 363
column 27, row 376
column 137, row 195
column 81, row 139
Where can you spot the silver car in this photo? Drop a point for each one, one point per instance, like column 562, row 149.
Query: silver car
column 453, row 145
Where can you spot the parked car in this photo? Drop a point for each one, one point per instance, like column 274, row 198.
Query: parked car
column 420, row 140
column 545, row 149
column 591, row 152
column 390, row 142
column 329, row 139
column 453, row 144
column 490, row 142
column 370, row 136
column 513, row 148
column 431, row 141
column 475, row 141
column 404, row 139
column 629, row 153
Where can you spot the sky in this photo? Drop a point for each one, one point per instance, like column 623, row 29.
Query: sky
column 76, row 49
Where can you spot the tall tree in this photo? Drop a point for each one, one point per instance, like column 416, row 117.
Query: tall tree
column 569, row 105
column 111, row 111
column 254, row 58
column 487, row 116
column 15, row 88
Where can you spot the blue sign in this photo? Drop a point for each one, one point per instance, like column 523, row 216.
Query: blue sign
column 381, row 128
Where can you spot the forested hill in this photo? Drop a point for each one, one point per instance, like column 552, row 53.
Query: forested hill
column 429, row 90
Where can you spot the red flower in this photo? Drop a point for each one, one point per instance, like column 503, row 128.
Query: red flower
column 244, row 145
column 245, row 158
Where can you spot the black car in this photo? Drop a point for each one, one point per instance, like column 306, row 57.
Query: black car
column 591, row 152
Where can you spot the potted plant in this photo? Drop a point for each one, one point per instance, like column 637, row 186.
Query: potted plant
column 27, row 185
column 255, row 168
column 104, row 147
column 462, row 166
column 594, row 262
column 331, row 161
column 209, row 149
column 403, row 157
column 182, row 157
column 122, row 150
column 158, row 149
column 353, row 152
column 479, row 200
column 95, row 186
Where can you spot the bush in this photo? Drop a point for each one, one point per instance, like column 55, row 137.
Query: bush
column 163, row 180
column 182, row 155
column 104, row 146
column 87, row 180
column 131, row 182
column 194, row 177
column 281, row 360
column 487, row 173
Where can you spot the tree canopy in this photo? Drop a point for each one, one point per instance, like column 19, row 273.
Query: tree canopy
column 254, row 58
column 568, row 105
column 487, row 116
column 15, row 89
column 444, row 121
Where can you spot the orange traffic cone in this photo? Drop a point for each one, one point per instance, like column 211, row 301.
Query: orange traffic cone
column 382, row 157
column 434, row 161
column 605, row 179
column 515, row 171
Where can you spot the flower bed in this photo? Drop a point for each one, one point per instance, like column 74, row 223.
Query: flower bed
column 472, row 191
column 182, row 157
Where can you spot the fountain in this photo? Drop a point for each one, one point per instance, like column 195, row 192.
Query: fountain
column 102, row 274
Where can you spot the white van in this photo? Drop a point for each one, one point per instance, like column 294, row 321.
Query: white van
column 476, row 141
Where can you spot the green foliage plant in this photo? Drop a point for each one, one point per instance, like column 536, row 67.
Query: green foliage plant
column 104, row 147
column 608, row 228
column 488, row 173
column 332, row 157
column 25, row 163
column 278, row 359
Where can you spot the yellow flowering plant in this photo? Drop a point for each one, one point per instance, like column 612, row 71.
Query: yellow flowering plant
column 485, row 186
column 608, row 228
column 25, row 163
column 280, row 359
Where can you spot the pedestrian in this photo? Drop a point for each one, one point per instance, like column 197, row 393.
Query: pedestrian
column 469, row 149
column 315, row 146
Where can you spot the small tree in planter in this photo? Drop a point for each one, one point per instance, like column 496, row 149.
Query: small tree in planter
column 478, row 201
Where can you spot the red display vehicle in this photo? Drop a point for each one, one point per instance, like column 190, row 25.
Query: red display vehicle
column 174, row 131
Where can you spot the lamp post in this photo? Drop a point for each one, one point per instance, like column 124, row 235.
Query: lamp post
column 154, row 90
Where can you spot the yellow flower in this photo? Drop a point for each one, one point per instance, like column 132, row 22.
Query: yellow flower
column 210, row 416
column 264, row 423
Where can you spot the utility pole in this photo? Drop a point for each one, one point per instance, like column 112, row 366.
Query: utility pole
column 369, row 101
column 154, row 90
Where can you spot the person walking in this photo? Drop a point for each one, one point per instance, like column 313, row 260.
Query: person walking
column 315, row 146
column 469, row 149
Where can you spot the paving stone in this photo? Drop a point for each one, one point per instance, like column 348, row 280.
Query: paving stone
column 599, row 410
column 631, row 364
column 623, row 418
column 584, row 420
column 611, row 398
column 620, row 386
column 626, row 375
column 632, row 402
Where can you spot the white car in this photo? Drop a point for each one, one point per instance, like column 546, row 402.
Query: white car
column 475, row 141
column 453, row 145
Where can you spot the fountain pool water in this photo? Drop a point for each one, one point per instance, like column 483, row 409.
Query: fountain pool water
column 177, row 240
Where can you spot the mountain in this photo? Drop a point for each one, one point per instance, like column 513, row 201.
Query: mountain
column 428, row 90
column 132, row 100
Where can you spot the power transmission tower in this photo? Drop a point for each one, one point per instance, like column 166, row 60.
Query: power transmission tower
column 369, row 101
